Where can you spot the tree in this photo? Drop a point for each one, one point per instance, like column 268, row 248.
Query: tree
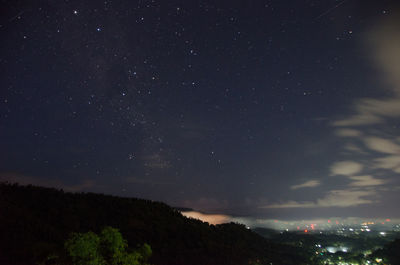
column 84, row 249
column 113, row 246
column 110, row 248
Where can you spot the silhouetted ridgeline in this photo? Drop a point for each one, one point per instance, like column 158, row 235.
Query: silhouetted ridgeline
column 36, row 221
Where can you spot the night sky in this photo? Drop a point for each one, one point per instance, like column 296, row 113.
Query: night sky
column 272, row 109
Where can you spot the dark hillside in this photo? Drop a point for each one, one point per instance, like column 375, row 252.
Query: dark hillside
column 36, row 221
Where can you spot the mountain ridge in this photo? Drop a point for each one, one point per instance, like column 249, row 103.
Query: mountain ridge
column 36, row 221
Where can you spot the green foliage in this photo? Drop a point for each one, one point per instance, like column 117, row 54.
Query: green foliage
column 84, row 249
column 145, row 251
column 107, row 249
column 113, row 246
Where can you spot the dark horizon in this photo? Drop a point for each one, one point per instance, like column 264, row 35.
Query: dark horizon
column 270, row 109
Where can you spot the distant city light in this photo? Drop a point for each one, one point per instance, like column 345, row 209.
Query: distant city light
column 336, row 249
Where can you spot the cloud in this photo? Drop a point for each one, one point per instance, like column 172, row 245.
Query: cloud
column 363, row 181
column 354, row 130
column 351, row 147
column 346, row 168
column 388, row 162
column 346, row 198
column 358, row 119
column 382, row 145
column 209, row 218
column 371, row 111
column 291, row 204
column 307, row 184
column 334, row 198
column 384, row 43
column 348, row 133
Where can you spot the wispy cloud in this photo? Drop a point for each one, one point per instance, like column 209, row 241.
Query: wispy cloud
column 388, row 162
column 371, row 112
column 367, row 180
column 379, row 149
column 373, row 151
column 346, row 168
column 353, row 148
column 334, row 198
column 384, row 43
column 307, row 184
column 382, row 145
column 348, row 133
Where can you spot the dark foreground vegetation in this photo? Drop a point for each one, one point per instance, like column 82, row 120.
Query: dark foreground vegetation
column 35, row 223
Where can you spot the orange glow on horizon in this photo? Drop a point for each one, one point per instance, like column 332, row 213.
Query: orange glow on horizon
column 214, row 219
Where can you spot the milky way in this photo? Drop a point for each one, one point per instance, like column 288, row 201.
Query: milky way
column 284, row 109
